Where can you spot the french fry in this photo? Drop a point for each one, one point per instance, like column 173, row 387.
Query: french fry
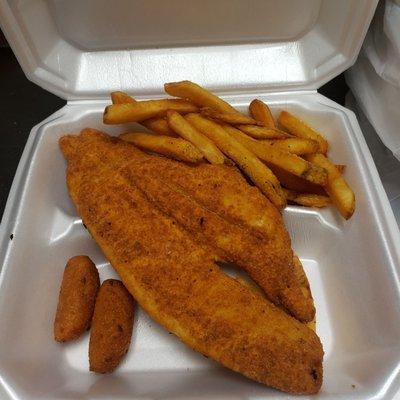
column 258, row 172
column 213, row 129
column 298, row 128
column 280, row 158
column 261, row 112
column 295, row 183
column 121, row 98
column 142, row 110
column 157, row 125
column 307, row 199
column 261, row 132
column 229, row 118
column 294, row 145
column 198, row 95
column 176, row 148
column 337, row 188
column 187, row 131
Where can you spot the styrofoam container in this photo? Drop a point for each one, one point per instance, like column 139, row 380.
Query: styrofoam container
column 279, row 52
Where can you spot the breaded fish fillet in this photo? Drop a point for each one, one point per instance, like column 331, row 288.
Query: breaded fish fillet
column 219, row 208
column 223, row 212
column 176, row 280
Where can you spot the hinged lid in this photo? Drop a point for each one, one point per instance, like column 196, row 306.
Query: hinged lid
column 83, row 49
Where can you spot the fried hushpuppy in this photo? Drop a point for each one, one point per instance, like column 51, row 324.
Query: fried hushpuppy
column 76, row 300
column 112, row 325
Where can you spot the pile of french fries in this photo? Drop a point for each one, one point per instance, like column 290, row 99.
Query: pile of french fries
column 286, row 159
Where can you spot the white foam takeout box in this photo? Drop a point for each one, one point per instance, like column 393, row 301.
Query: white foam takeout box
column 278, row 51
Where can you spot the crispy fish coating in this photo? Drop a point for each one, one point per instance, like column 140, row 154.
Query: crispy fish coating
column 261, row 246
column 76, row 300
column 111, row 332
column 175, row 279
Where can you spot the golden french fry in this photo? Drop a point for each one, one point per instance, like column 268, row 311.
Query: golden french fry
column 198, row 95
column 338, row 189
column 261, row 112
column 229, row 118
column 307, row 199
column 294, row 145
column 280, row 158
column 121, row 98
column 261, row 132
column 142, row 110
column 258, row 172
column 298, row 128
column 157, row 125
column 184, row 129
column 295, row 183
column 176, row 148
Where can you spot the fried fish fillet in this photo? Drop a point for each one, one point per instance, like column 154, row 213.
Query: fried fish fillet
column 219, row 208
column 223, row 212
column 176, row 280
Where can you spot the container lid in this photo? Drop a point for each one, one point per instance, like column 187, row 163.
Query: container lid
column 83, row 49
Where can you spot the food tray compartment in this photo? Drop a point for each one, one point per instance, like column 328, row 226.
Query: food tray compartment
column 351, row 266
